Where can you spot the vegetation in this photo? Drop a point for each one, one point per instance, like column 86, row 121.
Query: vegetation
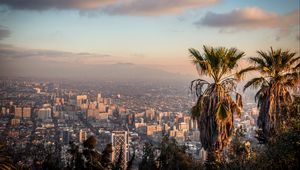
column 281, row 152
column 89, row 158
column 5, row 159
column 215, row 106
column 279, row 73
column 167, row 156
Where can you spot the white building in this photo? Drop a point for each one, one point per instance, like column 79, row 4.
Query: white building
column 119, row 140
column 44, row 113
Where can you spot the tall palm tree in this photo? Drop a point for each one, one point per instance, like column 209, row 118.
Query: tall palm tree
column 279, row 73
column 215, row 106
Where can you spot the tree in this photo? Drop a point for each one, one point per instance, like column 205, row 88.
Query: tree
column 89, row 157
column 279, row 73
column 215, row 106
column 5, row 160
column 281, row 152
column 174, row 157
column 168, row 155
column 148, row 160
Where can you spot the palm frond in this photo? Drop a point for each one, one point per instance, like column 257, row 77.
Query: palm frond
column 242, row 72
column 202, row 65
column 239, row 100
column 255, row 83
column 222, row 111
column 197, row 86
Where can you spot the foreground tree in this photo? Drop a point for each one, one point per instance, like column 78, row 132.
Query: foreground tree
column 89, row 157
column 279, row 73
column 168, row 155
column 6, row 162
column 281, row 152
column 215, row 106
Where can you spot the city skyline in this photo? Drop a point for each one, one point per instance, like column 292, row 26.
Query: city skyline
column 67, row 38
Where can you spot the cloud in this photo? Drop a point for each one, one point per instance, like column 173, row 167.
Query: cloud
column 11, row 53
column 4, row 33
column 57, row 4
column 154, row 8
column 251, row 18
column 113, row 7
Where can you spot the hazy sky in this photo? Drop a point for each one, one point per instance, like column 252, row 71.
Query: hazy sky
column 151, row 33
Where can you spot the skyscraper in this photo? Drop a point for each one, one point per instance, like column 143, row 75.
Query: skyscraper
column 66, row 137
column 119, row 140
column 18, row 112
column 99, row 98
column 26, row 112
column 82, row 136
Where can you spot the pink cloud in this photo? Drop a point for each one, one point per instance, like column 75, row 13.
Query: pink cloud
column 115, row 7
column 58, row 4
column 154, row 8
column 251, row 18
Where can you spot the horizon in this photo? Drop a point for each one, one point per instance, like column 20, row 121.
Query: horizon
column 72, row 38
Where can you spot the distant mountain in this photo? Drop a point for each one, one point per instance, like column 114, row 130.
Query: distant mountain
column 118, row 71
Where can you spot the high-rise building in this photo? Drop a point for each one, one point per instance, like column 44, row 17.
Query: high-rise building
column 82, row 101
column 183, row 126
column 101, row 107
column 107, row 101
column 82, row 136
column 3, row 110
column 119, row 140
column 66, row 137
column 196, row 135
column 194, row 125
column 44, row 113
column 26, row 112
column 152, row 129
column 99, row 98
column 187, row 120
column 150, row 113
column 15, row 122
column 18, row 112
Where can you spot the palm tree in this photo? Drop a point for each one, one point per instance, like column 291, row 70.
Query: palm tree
column 215, row 106
column 279, row 73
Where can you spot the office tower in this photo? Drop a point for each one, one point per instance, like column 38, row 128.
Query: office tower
column 107, row 101
column 44, row 113
column 3, row 110
column 194, row 124
column 92, row 105
column 152, row 129
column 81, row 99
column 26, row 112
column 196, row 135
column 119, row 140
column 82, row 136
column 150, row 113
column 15, row 122
column 18, row 112
column 66, row 137
column 187, row 120
column 99, row 98
column 101, row 107
column 183, row 126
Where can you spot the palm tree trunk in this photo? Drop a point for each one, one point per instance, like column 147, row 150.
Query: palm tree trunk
column 213, row 159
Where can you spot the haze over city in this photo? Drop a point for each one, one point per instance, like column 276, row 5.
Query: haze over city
column 75, row 39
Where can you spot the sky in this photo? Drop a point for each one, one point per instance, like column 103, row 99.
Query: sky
column 57, row 37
